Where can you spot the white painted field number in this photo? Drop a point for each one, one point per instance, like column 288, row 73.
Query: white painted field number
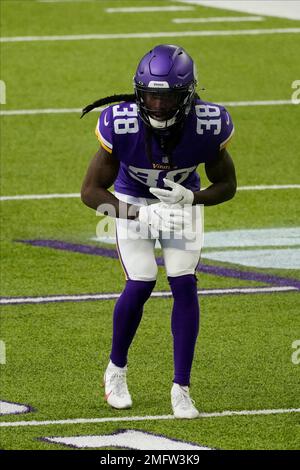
column 129, row 439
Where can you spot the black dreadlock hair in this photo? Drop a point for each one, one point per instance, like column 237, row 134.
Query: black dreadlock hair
column 167, row 144
column 107, row 100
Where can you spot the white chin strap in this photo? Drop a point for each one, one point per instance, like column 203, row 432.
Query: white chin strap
column 162, row 124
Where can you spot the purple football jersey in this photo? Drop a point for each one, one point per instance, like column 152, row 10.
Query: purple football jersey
column 121, row 131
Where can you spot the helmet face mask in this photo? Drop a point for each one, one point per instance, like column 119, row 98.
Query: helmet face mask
column 164, row 85
column 160, row 108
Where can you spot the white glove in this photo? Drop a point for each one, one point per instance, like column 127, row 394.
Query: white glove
column 165, row 218
column 178, row 195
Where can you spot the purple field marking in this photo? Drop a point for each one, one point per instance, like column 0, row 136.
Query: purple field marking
column 74, row 247
column 207, row 269
column 249, row 276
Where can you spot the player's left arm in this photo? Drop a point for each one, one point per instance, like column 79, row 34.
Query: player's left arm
column 221, row 173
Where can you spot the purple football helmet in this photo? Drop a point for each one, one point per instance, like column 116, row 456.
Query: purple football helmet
column 164, row 84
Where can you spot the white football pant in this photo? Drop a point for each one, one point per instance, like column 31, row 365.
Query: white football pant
column 181, row 251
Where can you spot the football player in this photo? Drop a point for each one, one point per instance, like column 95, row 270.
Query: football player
column 151, row 143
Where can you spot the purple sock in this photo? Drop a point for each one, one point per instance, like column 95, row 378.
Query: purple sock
column 185, row 325
column 127, row 316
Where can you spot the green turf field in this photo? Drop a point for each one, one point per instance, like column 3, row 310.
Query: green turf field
column 56, row 353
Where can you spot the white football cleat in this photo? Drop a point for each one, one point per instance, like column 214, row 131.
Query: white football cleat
column 116, row 391
column 182, row 404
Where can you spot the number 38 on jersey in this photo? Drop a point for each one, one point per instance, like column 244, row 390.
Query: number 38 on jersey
column 126, row 122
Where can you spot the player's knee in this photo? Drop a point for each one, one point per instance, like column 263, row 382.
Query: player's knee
column 144, row 272
column 181, row 263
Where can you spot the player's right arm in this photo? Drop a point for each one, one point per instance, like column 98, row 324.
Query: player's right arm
column 101, row 174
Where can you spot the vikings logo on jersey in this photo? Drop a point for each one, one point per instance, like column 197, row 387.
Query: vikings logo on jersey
column 120, row 130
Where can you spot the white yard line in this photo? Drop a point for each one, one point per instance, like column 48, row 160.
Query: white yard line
column 222, row 414
column 26, row 197
column 261, row 103
column 268, row 187
column 57, row 298
column 21, row 112
column 218, row 19
column 151, row 35
column 147, row 9
column 87, row 297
